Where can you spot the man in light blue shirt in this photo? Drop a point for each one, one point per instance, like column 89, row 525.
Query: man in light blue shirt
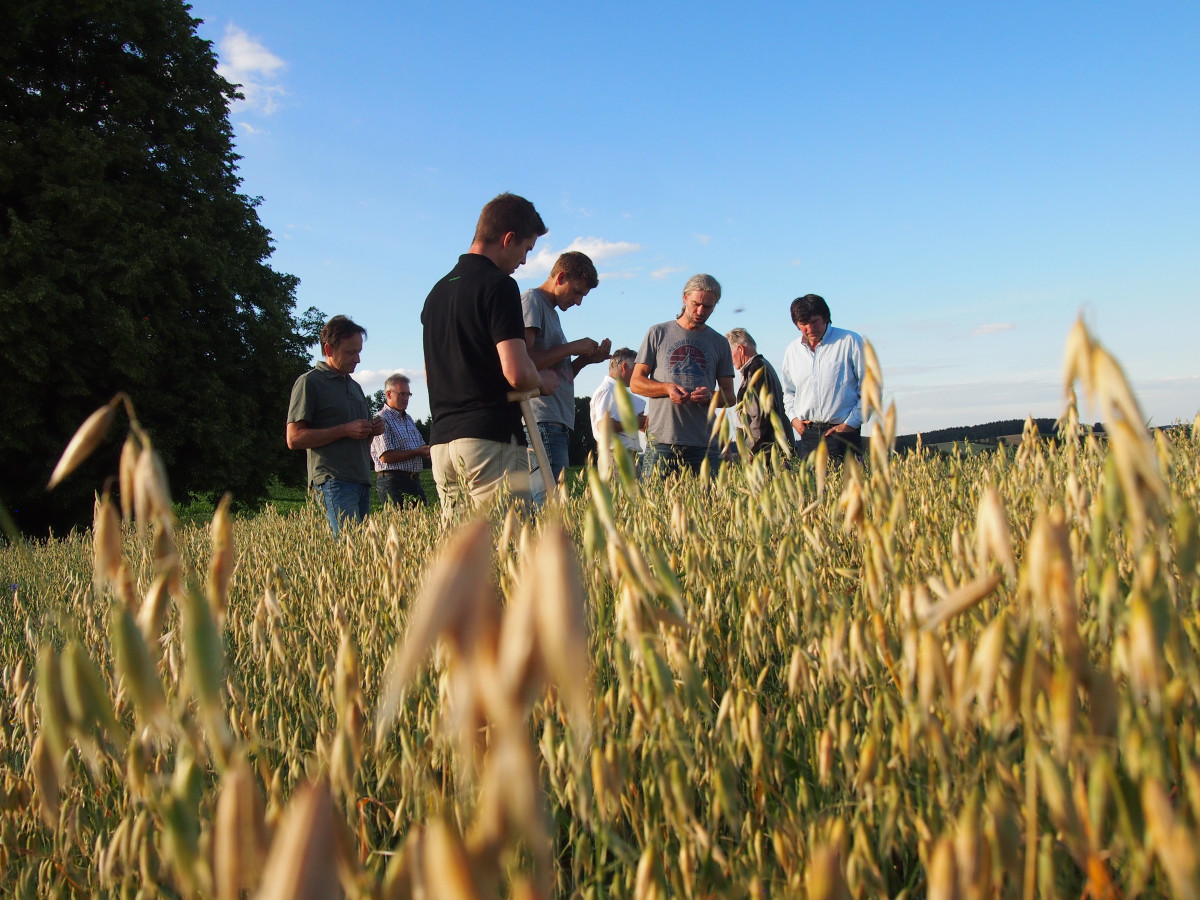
column 822, row 376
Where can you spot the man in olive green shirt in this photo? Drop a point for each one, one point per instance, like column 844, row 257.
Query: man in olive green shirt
column 328, row 417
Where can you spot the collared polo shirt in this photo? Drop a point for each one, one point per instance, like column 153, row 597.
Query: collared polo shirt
column 323, row 397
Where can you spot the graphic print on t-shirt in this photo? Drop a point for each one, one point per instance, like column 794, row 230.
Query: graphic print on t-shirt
column 688, row 365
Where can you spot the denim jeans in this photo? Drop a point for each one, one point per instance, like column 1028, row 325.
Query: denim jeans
column 671, row 458
column 403, row 488
column 345, row 501
column 555, row 438
column 836, row 444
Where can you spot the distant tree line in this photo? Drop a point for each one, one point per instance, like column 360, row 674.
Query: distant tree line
column 989, row 431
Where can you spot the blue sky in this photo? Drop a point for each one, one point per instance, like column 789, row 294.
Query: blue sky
column 959, row 180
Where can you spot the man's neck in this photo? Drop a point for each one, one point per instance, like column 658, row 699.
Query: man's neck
column 491, row 251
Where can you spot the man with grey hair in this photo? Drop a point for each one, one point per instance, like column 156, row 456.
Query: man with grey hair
column 400, row 451
column 604, row 402
column 758, row 376
column 678, row 367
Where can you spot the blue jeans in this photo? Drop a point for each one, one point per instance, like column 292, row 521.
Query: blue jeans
column 671, row 458
column 555, row 438
column 403, row 488
column 345, row 501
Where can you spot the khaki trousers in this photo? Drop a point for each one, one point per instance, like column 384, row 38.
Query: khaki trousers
column 475, row 469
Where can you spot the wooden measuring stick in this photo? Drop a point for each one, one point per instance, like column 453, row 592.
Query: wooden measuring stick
column 523, row 397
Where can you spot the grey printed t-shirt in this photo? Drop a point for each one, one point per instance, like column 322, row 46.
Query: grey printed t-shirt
column 690, row 359
column 538, row 311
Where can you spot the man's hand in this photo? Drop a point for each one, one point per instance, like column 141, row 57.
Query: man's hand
column 836, row 429
column 549, row 381
column 423, row 450
column 602, row 352
column 678, row 394
column 701, row 394
column 376, row 426
column 799, row 425
column 588, row 352
column 361, row 429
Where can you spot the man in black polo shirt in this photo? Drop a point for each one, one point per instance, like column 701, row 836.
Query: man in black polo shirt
column 328, row 417
column 475, row 353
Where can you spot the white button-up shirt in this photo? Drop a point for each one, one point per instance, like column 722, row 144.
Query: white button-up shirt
column 604, row 405
column 824, row 383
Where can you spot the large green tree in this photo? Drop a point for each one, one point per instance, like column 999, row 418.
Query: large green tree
column 129, row 260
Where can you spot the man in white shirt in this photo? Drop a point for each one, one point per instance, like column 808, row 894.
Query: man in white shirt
column 604, row 401
column 822, row 376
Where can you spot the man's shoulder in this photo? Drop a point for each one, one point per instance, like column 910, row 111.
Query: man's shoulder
column 535, row 307
column 319, row 373
column 662, row 327
column 845, row 334
column 474, row 269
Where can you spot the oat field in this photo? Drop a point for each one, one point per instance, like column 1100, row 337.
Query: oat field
column 918, row 676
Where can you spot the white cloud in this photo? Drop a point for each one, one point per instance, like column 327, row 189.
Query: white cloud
column 596, row 248
column 992, row 328
column 665, row 271
column 371, row 380
column 244, row 61
column 703, row 238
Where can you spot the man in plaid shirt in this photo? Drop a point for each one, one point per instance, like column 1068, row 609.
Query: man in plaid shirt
column 399, row 452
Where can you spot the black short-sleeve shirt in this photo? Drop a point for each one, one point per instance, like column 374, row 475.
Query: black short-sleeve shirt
column 466, row 314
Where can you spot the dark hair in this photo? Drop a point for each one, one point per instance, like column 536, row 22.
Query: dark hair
column 506, row 213
column 337, row 329
column 577, row 267
column 809, row 307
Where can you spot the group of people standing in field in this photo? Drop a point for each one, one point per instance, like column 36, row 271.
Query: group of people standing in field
column 484, row 340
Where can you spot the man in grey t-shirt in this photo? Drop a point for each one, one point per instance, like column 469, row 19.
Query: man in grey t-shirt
column 678, row 367
column 571, row 279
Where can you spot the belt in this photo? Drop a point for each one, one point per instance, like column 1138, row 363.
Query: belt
column 400, row 473
column 824, row 425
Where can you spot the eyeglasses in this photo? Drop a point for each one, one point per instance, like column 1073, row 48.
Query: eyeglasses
column 401, row 393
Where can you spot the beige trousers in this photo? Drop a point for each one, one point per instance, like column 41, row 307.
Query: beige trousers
column 475, row 469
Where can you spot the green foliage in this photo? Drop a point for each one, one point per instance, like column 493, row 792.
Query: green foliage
column 128, row 258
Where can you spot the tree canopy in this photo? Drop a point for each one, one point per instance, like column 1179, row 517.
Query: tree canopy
column 129, row 260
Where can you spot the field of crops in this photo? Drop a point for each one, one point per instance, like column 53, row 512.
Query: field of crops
column 919, row 676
